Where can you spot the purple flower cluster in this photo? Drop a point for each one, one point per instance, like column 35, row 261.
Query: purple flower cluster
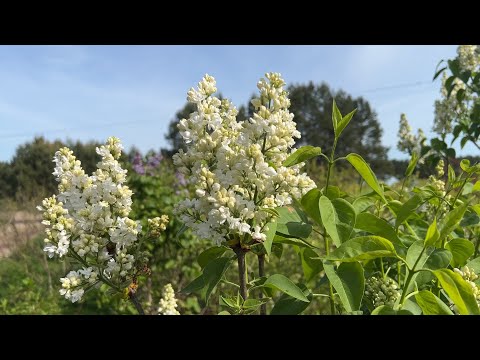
column 141, row 167
column 137, row 164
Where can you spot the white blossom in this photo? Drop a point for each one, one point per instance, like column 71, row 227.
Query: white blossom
column 407, row 142
column 88, row 220
column 168, row 303
column 236, row 167
column 469, row 57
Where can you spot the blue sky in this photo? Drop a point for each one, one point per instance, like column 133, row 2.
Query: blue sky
column 132, row 92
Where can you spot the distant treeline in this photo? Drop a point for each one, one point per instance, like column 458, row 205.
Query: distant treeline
column 29, row 176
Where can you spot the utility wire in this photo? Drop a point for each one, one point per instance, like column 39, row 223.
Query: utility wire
column 8, row 136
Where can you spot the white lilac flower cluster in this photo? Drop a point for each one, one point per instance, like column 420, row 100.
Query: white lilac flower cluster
column 469, row 57
column 407, row 142
column 381, row 291
column 448, row 108
column 168, row 303
column 88, row 221
column 236, row 167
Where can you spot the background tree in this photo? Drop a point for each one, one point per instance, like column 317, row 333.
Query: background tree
column 28, row 176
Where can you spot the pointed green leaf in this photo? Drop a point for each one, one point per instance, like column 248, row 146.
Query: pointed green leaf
column 349, row 282
column 285, row 285
column 412, row 164
column 408, row 208
column 362, row 203
column 329, row 219
column 311, row 264
column 302, row 154
column 206, row 256
column 213, row 273
column 474, row 265
column 363, row 248
column 431, row 305
column 414, row 252
column 291, row 241
column 341, row 125
column 377, row 226
column 366, row 173
column 287, row 305
column 270, row 233
column 336, row 117
column 432, row 234
column 451, row 174
column 346, row 217
column 292, row 222
column 461, row 250
column 476, row 187
column 451, row 220
column 458, row 290
column 310, row 203
column 387, row 310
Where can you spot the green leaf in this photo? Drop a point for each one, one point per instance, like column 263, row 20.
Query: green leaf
column 196, row 285
column 270, row 233
column 414, row 252
column 285, row 285
column 377, row 226
column 407, row 209
column 251, row 305
column 474, row 265
column 450, row 152
column 302, row 154
column 213, row 273
column 291, row 241
column 224, row 312
column 292, row 222
column 329, row 219
column 438, row 259
column 311, row 264
column 211, row 276
column 346, row 215
column 341, row 125
column 345, row 211
column 363, row 248
column 349, row 282
column 287, row 305
column 412, row 164
column 451, row 174
column 451, row 220
column 362, row 203
column 366, row 173
column 333, row 192
column 461, row 250
column 465, row 165
column 431, row 305
column 336, row 118
column 277, row 250
column 206, row 256
column 476, row 187
column 387, row 310
column 458, row 290
column 476, row 208
column 432, row 234
column 310, row 203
